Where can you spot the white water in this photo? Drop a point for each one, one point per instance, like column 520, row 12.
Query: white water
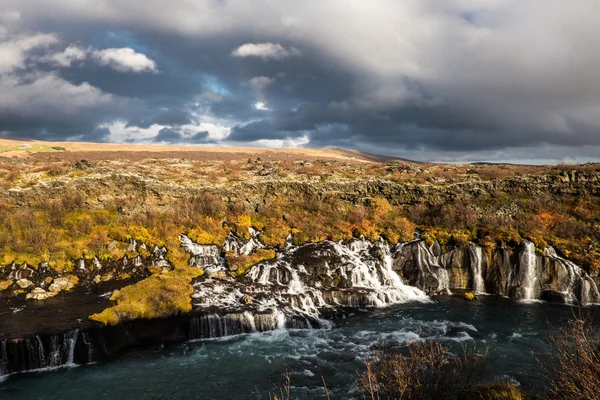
column 201, row 255
column 527, row 272
column 287, row 288
column 444, row 280
column 476, row 253
column 577, row 279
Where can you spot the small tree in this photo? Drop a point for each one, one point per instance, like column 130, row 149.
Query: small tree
column 426, row 370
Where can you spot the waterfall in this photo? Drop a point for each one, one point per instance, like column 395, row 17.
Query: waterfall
column 527, row 271
column 87, row 341
column 70, row 340
column 476, row 258
column 443, row 280
column 589, row 291
column 578, row 286
column 200, row 255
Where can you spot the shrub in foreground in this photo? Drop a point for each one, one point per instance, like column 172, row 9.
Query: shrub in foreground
column 425, row 370
column 574, row 365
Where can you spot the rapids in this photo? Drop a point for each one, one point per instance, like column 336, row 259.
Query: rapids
column 250, row 366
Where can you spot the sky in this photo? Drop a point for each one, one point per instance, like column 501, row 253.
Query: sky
column 430, row 80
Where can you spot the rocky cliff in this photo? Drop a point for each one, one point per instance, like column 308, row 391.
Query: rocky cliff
column 305, row 286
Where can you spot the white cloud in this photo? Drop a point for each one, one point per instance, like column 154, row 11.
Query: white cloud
column 47, row 94
column 124, row 60
column 10, row 15
column 260, row 82
column 259, row 105
column 265, row 51
column 14, row 51
column 65, row 58
column 121, row 132
column 279, row 143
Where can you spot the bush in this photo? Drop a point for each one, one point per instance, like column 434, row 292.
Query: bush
column 425, row 370
column 574, row 366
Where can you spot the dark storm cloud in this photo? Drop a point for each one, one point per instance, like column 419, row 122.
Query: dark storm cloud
column 98, row 135
column 174, row 136
column 423, row 79
column 168, row 135
column 172, row 117
column 258, row 130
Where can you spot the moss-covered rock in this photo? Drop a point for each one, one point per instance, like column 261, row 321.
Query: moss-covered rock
column 5, row 284
column 470, row 296
column 157, row 296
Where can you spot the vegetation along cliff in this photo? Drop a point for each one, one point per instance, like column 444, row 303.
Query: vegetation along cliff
column 250, row 240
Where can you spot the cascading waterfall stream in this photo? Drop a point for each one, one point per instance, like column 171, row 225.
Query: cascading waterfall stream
column 476, row 253
column 527, row 273
column 305, row 286
column 577, row 286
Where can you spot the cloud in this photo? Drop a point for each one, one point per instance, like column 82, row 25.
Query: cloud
column 168, row 135
column 415, row 78
column 260, row 82
column 10, row 15
column 67, row 57
column 175, row 136
column 124, row 60
column 14, row 51
column 170, row 117
column 265, row 51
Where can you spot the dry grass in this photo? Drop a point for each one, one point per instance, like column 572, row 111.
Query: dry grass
column 425, row 371
column 574, row 365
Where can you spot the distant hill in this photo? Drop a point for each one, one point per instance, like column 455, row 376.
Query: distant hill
column 114, row 151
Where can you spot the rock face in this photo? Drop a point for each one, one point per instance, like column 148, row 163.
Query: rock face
column 305, row 286
column 200, row 255
column 24, row 283
column 519, row 273
column 309, row 282
column 88, row 272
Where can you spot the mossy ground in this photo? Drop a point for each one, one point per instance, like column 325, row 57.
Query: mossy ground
column 50, row 213
column 241, row 264
column 158, row 296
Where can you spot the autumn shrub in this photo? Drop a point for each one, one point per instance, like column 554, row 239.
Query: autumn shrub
column 424, row 370
column 573, row 367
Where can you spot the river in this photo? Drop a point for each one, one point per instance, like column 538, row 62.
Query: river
column 252, row 366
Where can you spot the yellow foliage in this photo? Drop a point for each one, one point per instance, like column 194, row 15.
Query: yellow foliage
column 157, row 296
column 470, row 296
column 139, row 233
column 5, row 285
column 243, row 263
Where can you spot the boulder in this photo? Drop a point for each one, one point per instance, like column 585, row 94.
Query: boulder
column 470, row 296
column 246, row 300
column 64, row 283
column 221, row 275
column 554, row 297
column 40, row 294
column 24, row 283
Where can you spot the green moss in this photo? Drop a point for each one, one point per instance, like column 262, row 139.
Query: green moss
column 157, row 296
column 470, row 296
column 243, row 263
